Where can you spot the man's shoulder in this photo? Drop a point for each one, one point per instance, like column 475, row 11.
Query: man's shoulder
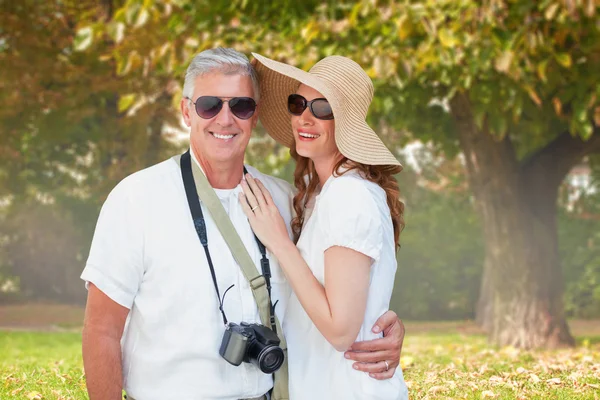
column 147, row 180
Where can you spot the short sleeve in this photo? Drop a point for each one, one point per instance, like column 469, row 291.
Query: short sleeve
column 115, row 263
column 351, row 217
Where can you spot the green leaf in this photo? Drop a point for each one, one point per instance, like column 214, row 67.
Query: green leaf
column 533, row 95
column 354, row 14
column 83, row 38
column 116, row 31
column 142, row 17
column 497, row 124
column 551, row 11
column 586, row 131
column 564, row 59
column 405, row 27
column 541, row 70
column 447, row 38
column 126, row 101
column 502, row 63
column 479, row 117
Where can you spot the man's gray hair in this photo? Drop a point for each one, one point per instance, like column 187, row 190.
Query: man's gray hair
column 225, row 61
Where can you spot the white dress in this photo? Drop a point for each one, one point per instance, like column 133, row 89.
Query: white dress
column 351, row 212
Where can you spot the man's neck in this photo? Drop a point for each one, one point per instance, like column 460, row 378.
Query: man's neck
column 220, row 175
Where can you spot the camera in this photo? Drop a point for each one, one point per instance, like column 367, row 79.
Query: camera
column 252, row 343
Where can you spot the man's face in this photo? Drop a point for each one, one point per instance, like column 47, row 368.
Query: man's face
column 211, row 138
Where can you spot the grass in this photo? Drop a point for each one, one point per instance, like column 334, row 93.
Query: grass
column 459, row 366
column 448, row 360
column 41, row 365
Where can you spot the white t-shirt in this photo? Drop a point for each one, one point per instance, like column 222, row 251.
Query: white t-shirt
column 146, row 256
column 350, row 212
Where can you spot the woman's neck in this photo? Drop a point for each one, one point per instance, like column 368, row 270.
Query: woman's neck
column 324, row 167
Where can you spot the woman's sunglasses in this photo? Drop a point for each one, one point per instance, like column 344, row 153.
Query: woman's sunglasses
column 320, row 108
column 208, row 107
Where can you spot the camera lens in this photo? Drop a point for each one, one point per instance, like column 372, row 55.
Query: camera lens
column 270, row 359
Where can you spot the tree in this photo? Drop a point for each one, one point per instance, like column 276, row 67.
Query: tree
column 512, row 85
column 65, row 139
column 521, row 85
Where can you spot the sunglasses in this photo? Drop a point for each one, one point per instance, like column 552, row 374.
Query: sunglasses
column 208, row 107
column 320, row 108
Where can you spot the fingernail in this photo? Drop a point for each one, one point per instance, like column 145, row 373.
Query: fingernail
column 372, row 375
column 346, row 355
column 376, row 329
column 355, row 366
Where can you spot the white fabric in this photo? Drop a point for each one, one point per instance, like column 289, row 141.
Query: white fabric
column 351, row 212
column 146, row 256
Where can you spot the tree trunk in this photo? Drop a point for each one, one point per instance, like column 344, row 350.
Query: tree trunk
column 521, row 302
column 484, row 311
column 526, row 281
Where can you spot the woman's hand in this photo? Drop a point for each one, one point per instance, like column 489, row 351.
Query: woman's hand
column 263, row 215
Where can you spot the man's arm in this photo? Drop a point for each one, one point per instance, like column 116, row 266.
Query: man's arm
column 371, row 355
column 102, row 330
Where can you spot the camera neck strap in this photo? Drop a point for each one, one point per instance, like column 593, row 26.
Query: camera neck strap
column 198, row 188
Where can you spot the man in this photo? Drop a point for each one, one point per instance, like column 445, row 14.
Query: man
column 153, row 325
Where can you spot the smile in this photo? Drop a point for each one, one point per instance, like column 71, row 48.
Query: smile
column 223, row 137
column 308, row 135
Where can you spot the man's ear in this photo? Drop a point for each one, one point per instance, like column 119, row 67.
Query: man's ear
column 185, row 112
column 255, row 116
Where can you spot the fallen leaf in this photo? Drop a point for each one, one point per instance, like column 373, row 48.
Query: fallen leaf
column 406, row 361
column 436, row 389
column 593, row 385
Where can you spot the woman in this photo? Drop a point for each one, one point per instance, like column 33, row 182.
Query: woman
column 348, row 222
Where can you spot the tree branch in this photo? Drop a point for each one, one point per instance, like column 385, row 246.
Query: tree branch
column 556, row 159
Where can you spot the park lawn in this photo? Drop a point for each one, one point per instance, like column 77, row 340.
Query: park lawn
column 41, row 365
column 437, row 365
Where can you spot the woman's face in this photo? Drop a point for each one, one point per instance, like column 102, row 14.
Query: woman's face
column 314, row 137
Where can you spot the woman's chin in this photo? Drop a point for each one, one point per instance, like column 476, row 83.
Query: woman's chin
column 303, row 150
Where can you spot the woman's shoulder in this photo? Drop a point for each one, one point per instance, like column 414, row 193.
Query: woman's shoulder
column 352, row 186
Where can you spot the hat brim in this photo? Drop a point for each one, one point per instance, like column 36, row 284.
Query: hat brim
column 354, row 138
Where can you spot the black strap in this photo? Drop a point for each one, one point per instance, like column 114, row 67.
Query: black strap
column 198, row 218
column 200, row 225
column 266, row 270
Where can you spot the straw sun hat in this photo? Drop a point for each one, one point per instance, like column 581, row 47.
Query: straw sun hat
column 349, row 91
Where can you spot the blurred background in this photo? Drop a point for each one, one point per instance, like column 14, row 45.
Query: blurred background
column 493, row 107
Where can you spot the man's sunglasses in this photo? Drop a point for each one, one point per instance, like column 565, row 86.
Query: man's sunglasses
column 208, row 107
column 320, row 108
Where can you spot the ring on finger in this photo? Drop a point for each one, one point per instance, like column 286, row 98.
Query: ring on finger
column 254, row 208
column 387, row 366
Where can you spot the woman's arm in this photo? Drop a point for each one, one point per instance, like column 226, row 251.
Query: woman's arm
column 337, row 309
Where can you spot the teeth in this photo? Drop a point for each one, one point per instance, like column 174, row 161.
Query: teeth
column 308, row 135
column 225, row 137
